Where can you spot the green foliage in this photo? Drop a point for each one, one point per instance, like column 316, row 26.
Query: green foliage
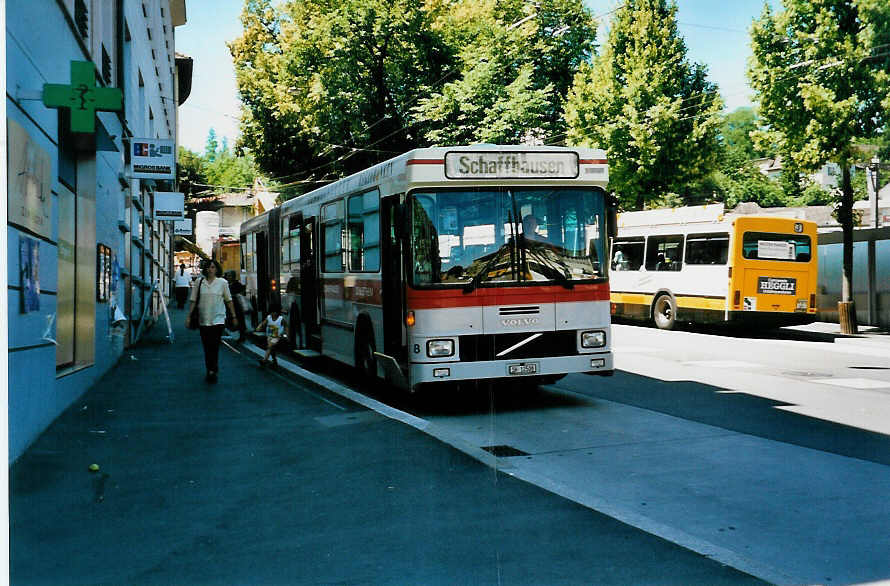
column 818, row 81
column 318, row 77
column 817, row 78
column 820, row 73
column 748, row 184
column 655, row 113
column 212, row 146
column 190, row 170
column 514, row 66
column 331, row 87
column 813, row 195
column 735, row 135
column 218, row 167
column 228, row 170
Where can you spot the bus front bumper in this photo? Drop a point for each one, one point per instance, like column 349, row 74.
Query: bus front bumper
column 599, row 363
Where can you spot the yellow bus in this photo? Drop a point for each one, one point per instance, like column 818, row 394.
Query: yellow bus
column 704, row 266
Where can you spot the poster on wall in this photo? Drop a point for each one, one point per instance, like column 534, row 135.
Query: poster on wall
column 29, row 181
column 29, row 269
column 103, row 273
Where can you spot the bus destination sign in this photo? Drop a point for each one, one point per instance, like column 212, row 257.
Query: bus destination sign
column 511, row 165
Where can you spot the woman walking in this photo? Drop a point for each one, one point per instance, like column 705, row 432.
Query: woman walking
column 211, row 293
column 183, row 282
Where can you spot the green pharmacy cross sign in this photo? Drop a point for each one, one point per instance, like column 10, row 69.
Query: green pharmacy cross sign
column 82, row 97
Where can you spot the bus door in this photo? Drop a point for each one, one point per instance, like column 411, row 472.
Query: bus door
column 393, row 292
column 392, row 279
column 309, row 282
column 262, row 268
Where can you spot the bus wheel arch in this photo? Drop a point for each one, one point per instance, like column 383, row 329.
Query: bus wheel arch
column 664, row 310
column 365, row 346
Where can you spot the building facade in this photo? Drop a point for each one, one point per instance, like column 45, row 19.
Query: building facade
column 89, row 83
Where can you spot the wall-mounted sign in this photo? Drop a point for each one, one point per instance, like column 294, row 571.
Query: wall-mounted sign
column 169, row 205
column 82, row 97
column 504, row 165
column 153, row 158
column 29, row 181
column 182, row 227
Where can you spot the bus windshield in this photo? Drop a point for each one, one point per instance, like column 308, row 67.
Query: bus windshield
column 483, row 236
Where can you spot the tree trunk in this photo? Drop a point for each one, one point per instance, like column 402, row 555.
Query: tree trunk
column 846, row 308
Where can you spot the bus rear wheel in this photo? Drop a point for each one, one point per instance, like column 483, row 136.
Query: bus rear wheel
column 664, row 312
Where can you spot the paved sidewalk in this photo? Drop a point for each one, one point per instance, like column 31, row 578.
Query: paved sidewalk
column 263, row 479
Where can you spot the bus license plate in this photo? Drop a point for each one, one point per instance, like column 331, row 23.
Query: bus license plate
column 523, row 368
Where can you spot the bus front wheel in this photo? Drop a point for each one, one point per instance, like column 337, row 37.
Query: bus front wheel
column 664, row 312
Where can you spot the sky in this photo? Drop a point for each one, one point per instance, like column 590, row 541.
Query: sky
column 716, row 34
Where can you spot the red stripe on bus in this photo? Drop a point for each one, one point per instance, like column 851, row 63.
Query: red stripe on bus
column 592, row 161
column 425, row 162
column 444, row 298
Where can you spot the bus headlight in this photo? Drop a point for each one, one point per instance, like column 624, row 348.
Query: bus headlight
column 593, row 339
column 440, row 348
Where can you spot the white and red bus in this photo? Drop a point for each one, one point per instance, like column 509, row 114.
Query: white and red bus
column 446, row 264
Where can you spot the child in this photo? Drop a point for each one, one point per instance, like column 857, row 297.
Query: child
column 274, row 324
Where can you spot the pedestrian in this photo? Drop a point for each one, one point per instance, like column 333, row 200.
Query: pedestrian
column 274, row 324
column 237, row 291
column 212, row 295
column 183, row 281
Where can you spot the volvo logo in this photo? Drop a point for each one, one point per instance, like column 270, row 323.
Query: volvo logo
column 516, row 322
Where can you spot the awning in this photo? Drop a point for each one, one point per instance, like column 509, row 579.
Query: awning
column 186, row 244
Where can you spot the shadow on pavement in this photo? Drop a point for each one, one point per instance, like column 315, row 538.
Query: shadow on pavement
column 738, row 412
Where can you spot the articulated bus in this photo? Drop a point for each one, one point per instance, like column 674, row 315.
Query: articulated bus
column 446, row 264
column 701, row 265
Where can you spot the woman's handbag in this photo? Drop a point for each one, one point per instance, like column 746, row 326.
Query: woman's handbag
column 192, row 321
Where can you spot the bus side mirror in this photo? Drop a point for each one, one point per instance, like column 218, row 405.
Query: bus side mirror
column 612, row 215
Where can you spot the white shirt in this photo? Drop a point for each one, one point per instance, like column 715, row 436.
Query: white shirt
column 274, row 327
column 184, row 279
column 212, row 304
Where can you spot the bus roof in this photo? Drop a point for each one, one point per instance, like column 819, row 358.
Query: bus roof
column 692, row 218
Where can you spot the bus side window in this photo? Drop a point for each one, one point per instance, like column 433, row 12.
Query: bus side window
column 627, row 254
column 663, row 253
column 707, row 249
column 332, row 216
column 363, row 228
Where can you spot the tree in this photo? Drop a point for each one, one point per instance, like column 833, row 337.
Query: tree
column 190, row 170
column 331, row 87
column 735, row 135
column 515, row 65
column 212, row 146
column 217, row 167
column 820, row 74
column 656, row 114
column 327, row 85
